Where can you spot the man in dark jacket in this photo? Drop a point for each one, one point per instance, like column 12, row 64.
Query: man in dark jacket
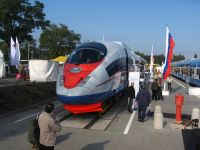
column 154, row 88
column 131, row 96
column 143, row 99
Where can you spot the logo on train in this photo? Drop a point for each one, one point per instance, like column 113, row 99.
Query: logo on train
column 75, row 70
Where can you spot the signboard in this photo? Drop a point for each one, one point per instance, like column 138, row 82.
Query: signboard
column 135, row 77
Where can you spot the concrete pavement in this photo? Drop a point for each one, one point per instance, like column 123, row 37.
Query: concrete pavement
column 141, row 136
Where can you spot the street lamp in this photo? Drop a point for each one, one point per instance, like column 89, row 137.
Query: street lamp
column 29, row 50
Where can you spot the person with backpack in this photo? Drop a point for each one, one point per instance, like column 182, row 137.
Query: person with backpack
column 48, row 127
column 131, row 96
column 143, row 98
column 34, row 132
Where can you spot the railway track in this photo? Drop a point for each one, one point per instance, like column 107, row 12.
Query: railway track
column 91, row 121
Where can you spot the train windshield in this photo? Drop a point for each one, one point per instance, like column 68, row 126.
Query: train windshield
column 86, row 56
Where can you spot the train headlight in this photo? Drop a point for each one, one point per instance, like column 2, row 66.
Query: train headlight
column 83, row 82
column 61, row 82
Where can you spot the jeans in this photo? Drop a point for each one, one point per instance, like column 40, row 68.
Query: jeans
column 169, row 86
column 154, row 94
column 141, row 113
column 43, row 147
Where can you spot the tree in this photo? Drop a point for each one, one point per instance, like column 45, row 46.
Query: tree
column 4, row 48
column 59, row 40
column 158, row 59
column 195, row 55
column 178, row 57
column 18, row 18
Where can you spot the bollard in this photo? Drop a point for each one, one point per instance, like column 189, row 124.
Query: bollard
column 157, row 109
column 195, row 113
column 179, row 102
column 158, row 121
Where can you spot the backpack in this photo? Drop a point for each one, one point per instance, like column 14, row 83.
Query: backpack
column 34, row 131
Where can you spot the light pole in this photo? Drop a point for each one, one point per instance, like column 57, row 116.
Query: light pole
column 29, row 50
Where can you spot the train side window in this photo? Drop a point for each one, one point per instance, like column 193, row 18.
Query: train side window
column 191, row 71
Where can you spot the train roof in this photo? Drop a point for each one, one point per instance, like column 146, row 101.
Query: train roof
column 119, row 45
column 194, row 62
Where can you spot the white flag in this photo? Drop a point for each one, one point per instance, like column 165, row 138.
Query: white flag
column 12, row 52
column 151, row 62
column 17, row 54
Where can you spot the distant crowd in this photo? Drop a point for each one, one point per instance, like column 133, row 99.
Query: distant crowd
column 143, row 98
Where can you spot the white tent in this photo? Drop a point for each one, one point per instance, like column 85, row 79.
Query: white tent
column 43, row 70
column 2, row 65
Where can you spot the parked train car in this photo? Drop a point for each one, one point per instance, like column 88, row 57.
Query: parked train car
column 187, row 70
column 93, row 73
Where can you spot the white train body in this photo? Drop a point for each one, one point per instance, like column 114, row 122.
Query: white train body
column 87, row 85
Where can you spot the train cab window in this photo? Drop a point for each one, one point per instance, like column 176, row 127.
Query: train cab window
column 86, row 56
column 86, row 53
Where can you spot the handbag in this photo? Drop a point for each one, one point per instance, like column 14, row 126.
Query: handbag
column 135, row 105
column 18, row 76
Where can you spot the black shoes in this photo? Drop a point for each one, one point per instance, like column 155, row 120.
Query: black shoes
column 140, row 120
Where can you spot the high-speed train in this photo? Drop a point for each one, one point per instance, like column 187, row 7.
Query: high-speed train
column 93, row 73
column 187, row 70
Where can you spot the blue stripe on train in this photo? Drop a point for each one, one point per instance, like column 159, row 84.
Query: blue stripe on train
column 191, row 79
column 195, row 81
column 87, row 99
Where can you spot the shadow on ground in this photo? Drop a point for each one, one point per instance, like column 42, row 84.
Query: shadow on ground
column 95, row 146
column 174, row 90
column 62, row 138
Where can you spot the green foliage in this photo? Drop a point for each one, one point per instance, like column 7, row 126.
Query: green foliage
column 159, row 59
column 178, row 57
column 4, row 48
column 59, row 40
column 35, row 52
column 19, row 18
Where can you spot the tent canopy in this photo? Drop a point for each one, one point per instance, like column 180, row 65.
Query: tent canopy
column 60, row 59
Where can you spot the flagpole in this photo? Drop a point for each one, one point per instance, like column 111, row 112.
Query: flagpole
column 151, row 63
column 166, row 49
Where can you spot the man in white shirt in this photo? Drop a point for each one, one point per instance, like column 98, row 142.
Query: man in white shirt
column 169, row 80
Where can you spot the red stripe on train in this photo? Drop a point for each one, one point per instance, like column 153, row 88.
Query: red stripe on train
column 72, row 79
column 78, row 109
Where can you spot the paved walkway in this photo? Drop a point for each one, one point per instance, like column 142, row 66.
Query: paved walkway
column 140, row 136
